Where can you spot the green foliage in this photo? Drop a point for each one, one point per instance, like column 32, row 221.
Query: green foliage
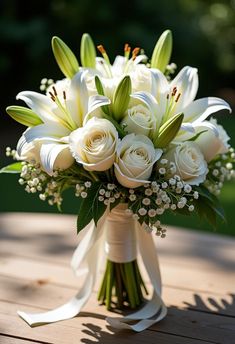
column 195, row 137
column 208, row 207
column 13, row 168
column 90, row 207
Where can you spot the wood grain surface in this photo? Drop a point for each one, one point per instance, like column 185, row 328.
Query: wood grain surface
column 198, row 273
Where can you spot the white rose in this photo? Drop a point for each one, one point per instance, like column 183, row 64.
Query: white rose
column 190, row 163
column 141, row 79
column 94, row 145
column 212, row 144
column 138, row 120
column 135, row 158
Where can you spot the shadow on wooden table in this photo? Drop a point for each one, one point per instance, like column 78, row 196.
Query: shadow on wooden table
column 221, row 306
column 197, row 318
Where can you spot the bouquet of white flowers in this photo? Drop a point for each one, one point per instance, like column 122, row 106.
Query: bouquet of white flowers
column 132, row 142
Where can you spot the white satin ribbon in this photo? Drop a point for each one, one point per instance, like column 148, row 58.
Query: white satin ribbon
column 119, row 227
column 88, row 255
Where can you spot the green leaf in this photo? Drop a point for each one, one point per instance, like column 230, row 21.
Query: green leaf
column 98, row 209
column 219, row 210
column 205, row 211
column 65, row 58
column 90, row 207
column 209, row 207
column 195, row 137
column 84, row 216
column 23, row 115
column 13, row 168
column 183, row 211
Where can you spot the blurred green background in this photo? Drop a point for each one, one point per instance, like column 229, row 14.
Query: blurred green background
column 204, row 37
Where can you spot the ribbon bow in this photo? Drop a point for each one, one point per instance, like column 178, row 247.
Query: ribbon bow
column 90, row 249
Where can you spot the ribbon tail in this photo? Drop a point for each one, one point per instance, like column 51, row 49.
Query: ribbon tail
column 89, row 253
column 154, row 310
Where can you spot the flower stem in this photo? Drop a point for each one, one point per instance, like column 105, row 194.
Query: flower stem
column 109, row 285
column 122, row 285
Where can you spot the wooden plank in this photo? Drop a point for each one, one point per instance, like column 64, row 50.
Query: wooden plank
column 45, row 295
column 53, row 238
column 181, row 277
column 84, row 328
column 198, row 325
column 5, row 339
column 196, row 282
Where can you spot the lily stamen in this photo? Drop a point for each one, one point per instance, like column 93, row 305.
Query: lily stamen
column 127, row 50
column 106, row 58
column 177, row 98
column 174, row 91
column 54, row 90
column 172, row 99
column 52, row 96
column 67, row 121
column 135, row 52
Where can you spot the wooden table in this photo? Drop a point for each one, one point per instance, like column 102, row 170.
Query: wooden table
column 198, row 272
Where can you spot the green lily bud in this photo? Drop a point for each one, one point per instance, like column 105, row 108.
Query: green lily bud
column 162, row 51
column 65, row 58
column 168, row 131
column 87, row 51
column 121, row 98
column 23, row 115
column 100, row 90
column 99, row 86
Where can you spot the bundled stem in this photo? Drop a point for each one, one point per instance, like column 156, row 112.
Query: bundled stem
column 122, row 286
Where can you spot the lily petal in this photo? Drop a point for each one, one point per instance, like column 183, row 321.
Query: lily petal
column 55, row 155
column 40, row 104
column 119, row 65
column 50, row 131
column 186, row 82
column 95, row 102
column 77, row 98
column 160, row 88
column 187, row 127
column 189, row 130
column 206, row 125
column 200, row 109
column 140, row 58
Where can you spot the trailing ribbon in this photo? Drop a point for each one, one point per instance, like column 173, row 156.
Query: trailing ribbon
column 91, row 249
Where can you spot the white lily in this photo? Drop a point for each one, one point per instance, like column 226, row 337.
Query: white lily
column 111, row 75
column 60, row 114
column 178, row 96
